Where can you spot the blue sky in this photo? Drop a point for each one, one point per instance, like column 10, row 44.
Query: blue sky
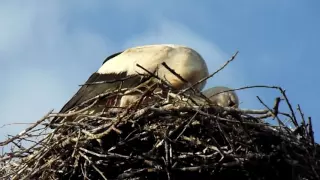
column 48, row 48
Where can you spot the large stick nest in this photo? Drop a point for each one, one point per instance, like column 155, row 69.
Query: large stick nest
column 161, row 141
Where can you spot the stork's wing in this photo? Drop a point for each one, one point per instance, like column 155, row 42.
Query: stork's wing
column 111, row 82
column 90, row 90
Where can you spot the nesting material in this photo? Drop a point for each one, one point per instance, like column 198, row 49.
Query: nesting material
column 165, row 138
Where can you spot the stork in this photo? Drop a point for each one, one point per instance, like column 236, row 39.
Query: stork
column 184, row 60
column 222, row 96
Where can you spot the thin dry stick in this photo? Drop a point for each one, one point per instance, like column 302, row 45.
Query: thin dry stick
column 276, row 107
column 311, row 133
column 186, row 126
column 100, row 172
column 26, row 130
column 305, row 129
column 279, row 121
column 295, row 122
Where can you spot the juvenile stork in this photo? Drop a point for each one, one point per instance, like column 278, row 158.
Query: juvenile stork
column 222, row 96
column 219, row 96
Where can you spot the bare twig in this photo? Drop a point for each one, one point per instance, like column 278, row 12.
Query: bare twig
column 26, row 130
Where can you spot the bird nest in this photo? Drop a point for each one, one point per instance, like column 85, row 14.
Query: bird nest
column 165, row 138
column 164, row 141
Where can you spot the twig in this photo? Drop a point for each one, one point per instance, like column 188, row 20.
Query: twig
column 305, row 130
column 101, row 173
column 311, row 133
column 279, row 121
column 26, row 130
column 295, row 122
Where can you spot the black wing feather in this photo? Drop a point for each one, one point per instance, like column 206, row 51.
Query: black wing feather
column 89, row 91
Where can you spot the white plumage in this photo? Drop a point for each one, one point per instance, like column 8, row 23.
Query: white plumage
column 183, row 60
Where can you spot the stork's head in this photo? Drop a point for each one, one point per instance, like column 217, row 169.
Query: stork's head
column 221, row 98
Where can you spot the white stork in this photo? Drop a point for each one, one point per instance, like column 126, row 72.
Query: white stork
column 183, row 60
